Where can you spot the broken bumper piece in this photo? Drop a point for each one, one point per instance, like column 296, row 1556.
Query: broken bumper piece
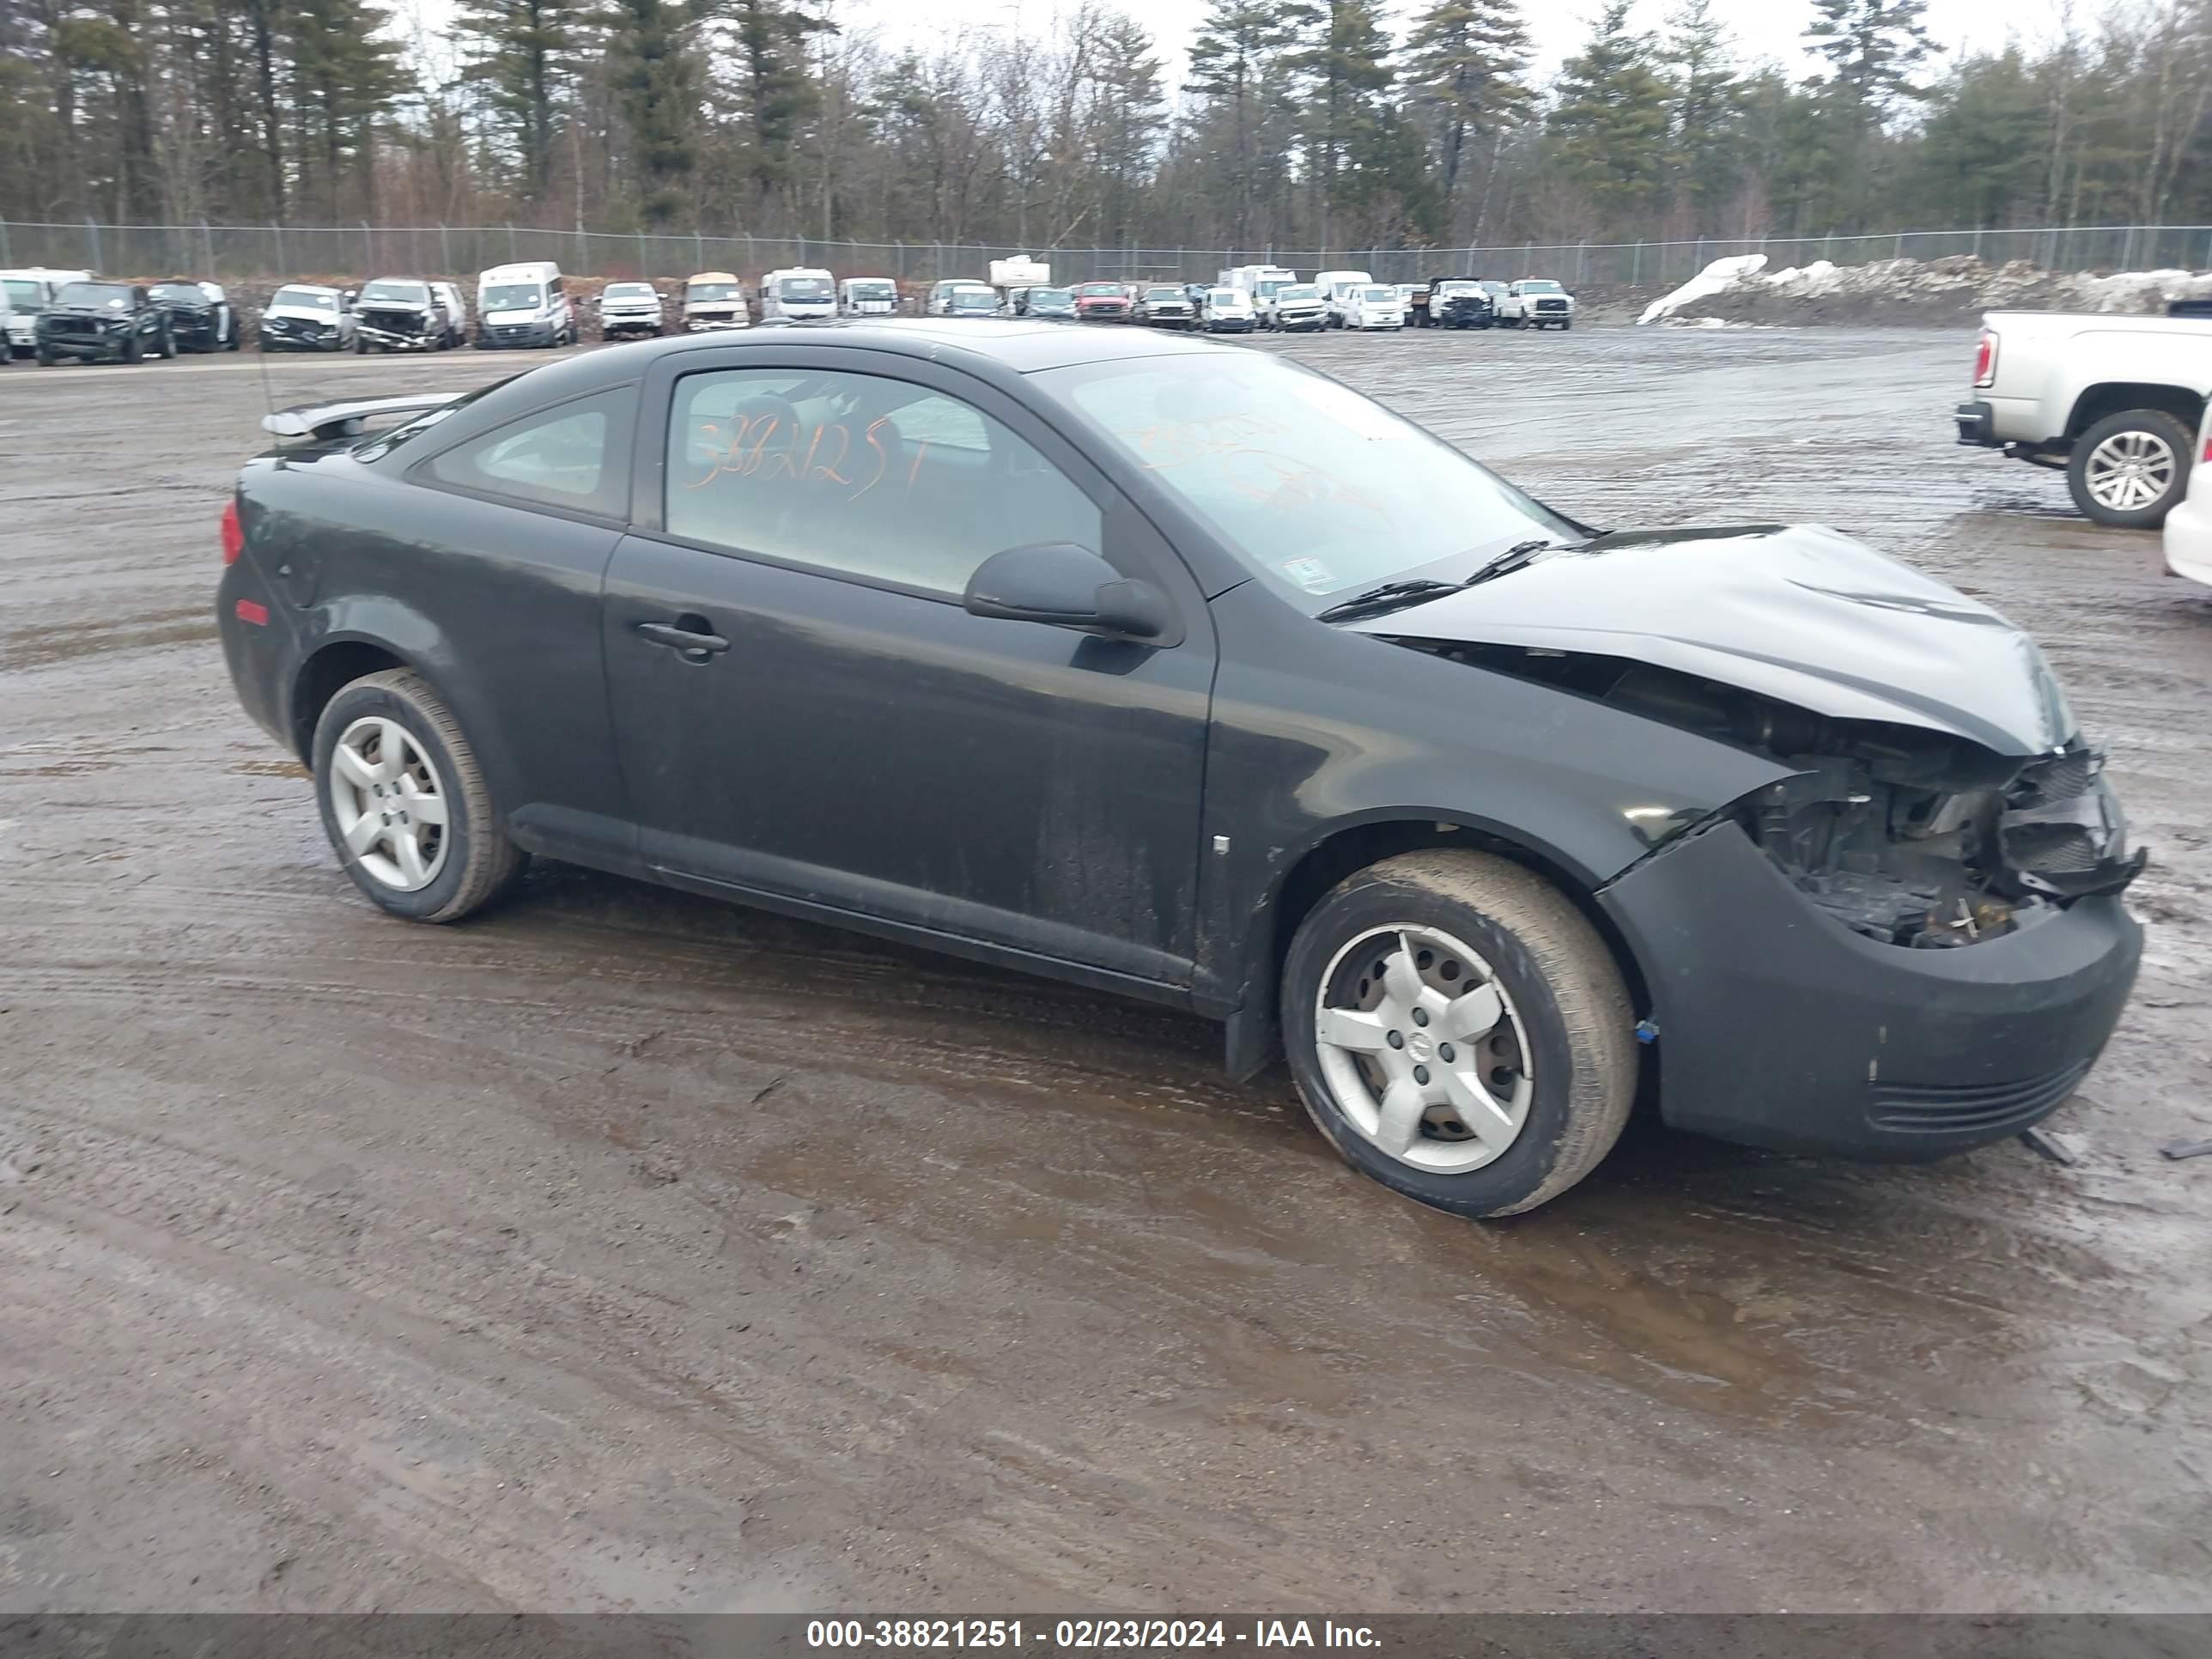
column 1778, row 1025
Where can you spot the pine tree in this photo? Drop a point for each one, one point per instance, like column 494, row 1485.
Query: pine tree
column 521, row 51
column 656, row 82
column 1233, row 60
column 777, row 90
column 1609, row 127
column 1345, row 71
column 1464, row 64
column 1707, row 116
column 1872, row 48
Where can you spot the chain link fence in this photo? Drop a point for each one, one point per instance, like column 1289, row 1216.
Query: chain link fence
column 271, row 252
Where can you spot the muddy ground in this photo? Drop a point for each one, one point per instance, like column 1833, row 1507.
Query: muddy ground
column 625, row 1250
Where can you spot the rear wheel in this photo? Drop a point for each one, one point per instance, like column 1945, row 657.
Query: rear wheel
column 2129, row 469
column 1459, row 1032
column 404, row 803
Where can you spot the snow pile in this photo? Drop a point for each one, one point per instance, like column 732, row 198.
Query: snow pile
column 1742, row 286
column 1716, row 278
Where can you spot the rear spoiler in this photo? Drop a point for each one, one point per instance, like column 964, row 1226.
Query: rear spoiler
column 342, row 420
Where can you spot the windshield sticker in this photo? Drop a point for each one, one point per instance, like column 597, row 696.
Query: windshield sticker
column 1309, row 573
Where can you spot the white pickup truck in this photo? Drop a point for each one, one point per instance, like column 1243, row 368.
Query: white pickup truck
column 2113, row 400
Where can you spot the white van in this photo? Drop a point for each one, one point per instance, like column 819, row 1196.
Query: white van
column 524, row 304
column 1337, row 288
column 798, row 294
column 867, row 296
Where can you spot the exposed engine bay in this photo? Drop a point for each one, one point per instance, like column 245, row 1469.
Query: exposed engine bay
column 1913, row 837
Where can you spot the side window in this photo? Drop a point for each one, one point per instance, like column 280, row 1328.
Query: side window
column 558, row 456
column 861, row 475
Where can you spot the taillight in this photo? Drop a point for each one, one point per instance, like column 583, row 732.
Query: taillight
column 233, row 538
column 1985, row 360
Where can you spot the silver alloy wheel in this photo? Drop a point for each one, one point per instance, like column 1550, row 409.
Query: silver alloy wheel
column 2129, row 471
column 390, row 807
column 1422, row 1049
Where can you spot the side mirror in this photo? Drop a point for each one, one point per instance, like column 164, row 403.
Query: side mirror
column 1065, row 585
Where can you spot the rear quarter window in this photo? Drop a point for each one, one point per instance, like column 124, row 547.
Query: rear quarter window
column 568, row 457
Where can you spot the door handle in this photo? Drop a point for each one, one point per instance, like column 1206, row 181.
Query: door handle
column 691, row 640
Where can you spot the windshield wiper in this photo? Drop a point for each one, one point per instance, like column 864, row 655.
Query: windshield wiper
column 1390, row 596
column 1519, row 556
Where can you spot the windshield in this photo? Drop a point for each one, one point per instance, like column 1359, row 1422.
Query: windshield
column 1298, row 291
column 872, row 290
column 805, row 290
column 1459, row 288
column 1378, row 292
column 1165, row 294
column 303, row 299
column 1492, row 288
column 1226, row 296
column 1268, row 291
column 711, row 291
column 515, row 297
column 1100, row 289
column 1051, row 296
column 23, row 295
column 112, row 296
column 1316, row 487
column 1541, row 288
column 188, row 291
column 974, row 298
column 400, row 293
column 627, row 291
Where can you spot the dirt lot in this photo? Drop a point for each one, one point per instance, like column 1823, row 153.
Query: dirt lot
column 624, row 1250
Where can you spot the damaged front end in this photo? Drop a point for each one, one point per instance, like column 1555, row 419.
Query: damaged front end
column 1905, row 939
column 399, row 328
column 1911, row 837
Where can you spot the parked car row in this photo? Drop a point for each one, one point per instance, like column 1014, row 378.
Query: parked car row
column 528, row 304
column 55, row 314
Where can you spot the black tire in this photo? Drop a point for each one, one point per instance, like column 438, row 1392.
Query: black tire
column 134, row 349
column 480, row 863
column 1572, row 1009
column 44, row 354
column 166, row 347
column 1566, row 325
column 2152, row 424
column 234, row 342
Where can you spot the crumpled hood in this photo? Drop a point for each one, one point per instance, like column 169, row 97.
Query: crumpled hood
column 1799, row 613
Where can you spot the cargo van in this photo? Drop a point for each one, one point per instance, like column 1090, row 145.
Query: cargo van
column 800, row 295
column 867, row 296
column 713, row 299
column 524, row 304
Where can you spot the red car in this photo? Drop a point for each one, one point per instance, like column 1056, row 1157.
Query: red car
column 1103, row 302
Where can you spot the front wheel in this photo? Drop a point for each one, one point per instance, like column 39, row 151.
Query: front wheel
column 1459, row 1032
column 2129, row 469
column 45, row 356
column 404, row 802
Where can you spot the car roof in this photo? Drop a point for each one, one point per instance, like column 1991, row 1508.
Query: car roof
column 1003, row 344
column 710, row 276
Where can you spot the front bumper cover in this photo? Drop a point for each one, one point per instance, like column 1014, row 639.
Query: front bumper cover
column 1776, row 1026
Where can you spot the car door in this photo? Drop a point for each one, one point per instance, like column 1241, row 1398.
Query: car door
column 500, row 543
column 847, row 737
